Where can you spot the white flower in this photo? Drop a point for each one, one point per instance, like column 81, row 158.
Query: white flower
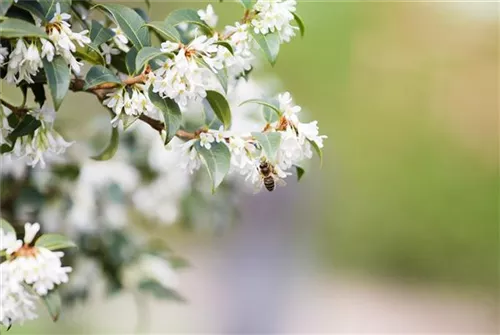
column 30, row 231
column 60, row 17
column 40, row 268
column 48, row 50
column 168, row 46
column 120, row 39
column 311, row 132
column 275, row 16
column 17, row 304
column 4, row 52
column 24, row 63
column 9, row 242
column 108, row 52
column 289, row 110
column 206, row 140
column 208, row 16
column 189, row 158
column 5, row 128
column 115, row 101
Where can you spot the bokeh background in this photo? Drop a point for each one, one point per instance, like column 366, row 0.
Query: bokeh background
column 397, row 232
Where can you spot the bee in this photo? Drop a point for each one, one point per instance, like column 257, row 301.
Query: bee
column 269, row 175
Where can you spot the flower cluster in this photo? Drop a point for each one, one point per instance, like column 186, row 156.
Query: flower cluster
column 246, row 152
column 275, row 16
column 29, row 271
column 130, row 101
column 44, row 143
column 183, row 77
column 26, row 58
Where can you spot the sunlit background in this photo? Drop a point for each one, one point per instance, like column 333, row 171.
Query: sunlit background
column 397, row 232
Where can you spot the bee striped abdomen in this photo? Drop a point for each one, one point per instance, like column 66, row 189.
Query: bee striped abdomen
column 269, row 183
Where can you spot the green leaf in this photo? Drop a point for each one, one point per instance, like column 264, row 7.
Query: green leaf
column 270, row 143
column 217, row 161
column 220, row 107
column 131, row 23
column 165, row 30
column 186, row 15
column 171, row 113
column 54, row 242
column 112, row 147
column 269, row 44
column 13, row 28
column 160, row 291
column 6, row 227
column 4, row 6
column 300, row 172
column 142, row 14
column 58, row 77
column 318, row 150
column 247, row 3
column 226, row 45
column 145, row 55
column 91, row 54
column 39, row 93
column 52, row 301
column 263, row 103
column 26, row 126
column 130, row 61
column 221, row 74
column 99, row 75
column 300, row 23
column 99, row 34
column 44, row 9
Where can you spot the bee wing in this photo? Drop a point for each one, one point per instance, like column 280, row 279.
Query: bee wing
column 280, row 182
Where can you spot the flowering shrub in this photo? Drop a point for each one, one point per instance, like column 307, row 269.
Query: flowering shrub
column 178, row 105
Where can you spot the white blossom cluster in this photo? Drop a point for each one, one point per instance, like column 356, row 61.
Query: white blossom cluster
column 130, row 101
column 246, row 154
column 26, row 58
column 275, row 16
column 45, row 143
column 27, row 273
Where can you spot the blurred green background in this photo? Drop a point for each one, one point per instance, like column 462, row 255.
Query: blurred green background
column 408, row 96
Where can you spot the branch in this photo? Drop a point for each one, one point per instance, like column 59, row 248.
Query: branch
column 100, row 91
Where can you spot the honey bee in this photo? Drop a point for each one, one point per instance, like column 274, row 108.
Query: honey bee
column 269, row 175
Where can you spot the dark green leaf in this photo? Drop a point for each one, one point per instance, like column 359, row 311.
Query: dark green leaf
column 130, row 23
column 13, row 28
column 58, row 77
column 165, row 30
column 159, row 291
column 318, row 150
column 145, row 55
column 27, row 126
column 99, row 34
column 220, row 107
column 4, row 6
column 4, row 148
column 130, row 61
column 142, row 14
column 300, row 23
column 54, row 242
column 300, row 172
column 225, row 45
column 45, row 9
column 6, row 227
column 186, row 15
column 270, row 143
column 171, row 113
column 112, row 147
column 39, row 93
column 52, row 301
column 269, row 44
column 91, row 54
column 217, row 161
column 99, row 75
